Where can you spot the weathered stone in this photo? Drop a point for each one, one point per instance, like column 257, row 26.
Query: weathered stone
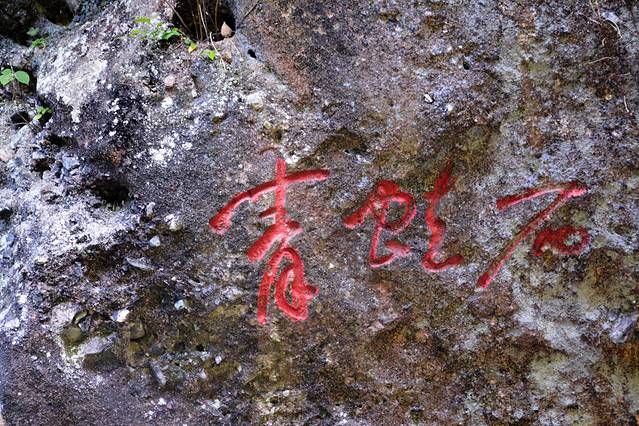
column 71, row 334
column 148, row 140
column 137, row 331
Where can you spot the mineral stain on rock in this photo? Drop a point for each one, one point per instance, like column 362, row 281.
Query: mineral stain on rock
column 119, row 306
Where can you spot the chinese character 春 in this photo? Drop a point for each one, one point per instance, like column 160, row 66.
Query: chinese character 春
column 280, row 232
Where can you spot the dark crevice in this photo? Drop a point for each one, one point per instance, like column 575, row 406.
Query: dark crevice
column 56, row 11
column 18, row 16
column 41, row 165
column 20, row 119
column 5, row 217
column 59, row 140
column 198, row 18
column 111, row 192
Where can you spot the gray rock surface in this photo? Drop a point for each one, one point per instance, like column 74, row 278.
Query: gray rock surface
column 98, row 325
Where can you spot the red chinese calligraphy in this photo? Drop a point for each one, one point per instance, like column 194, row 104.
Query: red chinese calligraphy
column 280, row 232
column 556, row 238
column 378, row 205
column 437, row 226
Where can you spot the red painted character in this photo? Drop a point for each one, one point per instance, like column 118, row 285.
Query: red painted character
column 547, row 237
column 378, row 205
column 280, row 232
column 437, row 227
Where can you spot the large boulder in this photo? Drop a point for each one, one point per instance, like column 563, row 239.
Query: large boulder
column 119, row 305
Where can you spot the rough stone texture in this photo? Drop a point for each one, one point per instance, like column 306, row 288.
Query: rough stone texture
column 100, row 326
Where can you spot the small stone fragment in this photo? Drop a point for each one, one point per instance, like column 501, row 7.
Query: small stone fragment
column 120, row 315
column 169, row 81
column 71, row 334
column 428, row 98
column 610, row 16
column 149, row 209
column 158, row 375
column 80, row 316
column 155, row 241
column 226, row 31
column 180, row 304
column 137, row 331
column 140, row 263
column 219, row 116
column 622, row 327
column 12, row 325
column 174, row 222
column 5, row 155
column 70, row 162
column 255, row 101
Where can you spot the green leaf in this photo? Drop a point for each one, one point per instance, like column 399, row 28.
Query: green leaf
column 209, row 54
column 33, row 32
column 7, row 71
column 37, row 42
column 142, row 20
column 42, row 111
column 167, row 34
column 5, row 79
column 22, row 77
column 192, row 47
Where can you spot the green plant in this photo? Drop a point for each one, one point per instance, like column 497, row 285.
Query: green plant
column 191, row 44
column 8, row 75
column 209, row 54
column 36, row 42
column 161, row 31
column 42, row 111
column 145, row 29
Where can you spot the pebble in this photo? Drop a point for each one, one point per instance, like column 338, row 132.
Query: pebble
column 140, row 263
column 12, row 325
column 226, row 31
column 5, row 155
column 255, row 101
column 174, row 222
column 169, row 81
column 180, row 304
column 71, row 334
column 70, row 162
column 610, row 16
column 137, row 330
column 148, row 210
column 219, row 116
column 158, row 375
column 120, row 315
column 155, row 241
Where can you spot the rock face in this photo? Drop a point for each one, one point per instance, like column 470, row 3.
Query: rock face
column 118, row 305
